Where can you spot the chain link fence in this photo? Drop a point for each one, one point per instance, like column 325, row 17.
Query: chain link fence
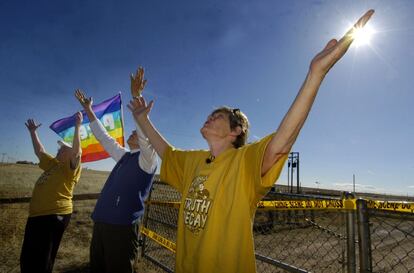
column 301, row 233
column 297, row 240
column 392, row 241
column 163, row 221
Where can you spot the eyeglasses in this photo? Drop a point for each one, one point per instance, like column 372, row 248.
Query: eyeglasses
column 235, row 111
column 236, row 116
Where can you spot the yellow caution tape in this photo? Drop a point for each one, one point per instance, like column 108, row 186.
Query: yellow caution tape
column 348, row 204
column 344, row 204
column 158, row 238
column 400, row 206
column 286, row 204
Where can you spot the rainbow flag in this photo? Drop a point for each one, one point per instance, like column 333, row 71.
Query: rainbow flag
column 109, row 113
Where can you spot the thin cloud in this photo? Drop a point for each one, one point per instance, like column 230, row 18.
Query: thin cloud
column 368, row 188
column 359, row 186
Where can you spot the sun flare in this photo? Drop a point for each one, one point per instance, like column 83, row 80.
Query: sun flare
column 362, row 35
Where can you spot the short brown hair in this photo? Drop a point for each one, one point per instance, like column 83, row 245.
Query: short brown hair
column 237, row 118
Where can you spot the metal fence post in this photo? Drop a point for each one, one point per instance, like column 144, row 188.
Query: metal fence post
column 144, row 223
column 350, row 235
column 364, row 237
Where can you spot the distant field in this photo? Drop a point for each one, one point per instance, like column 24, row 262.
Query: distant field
column 17, row 181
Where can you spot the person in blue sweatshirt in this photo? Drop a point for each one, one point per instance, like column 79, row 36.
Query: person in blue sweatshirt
column 120, row 206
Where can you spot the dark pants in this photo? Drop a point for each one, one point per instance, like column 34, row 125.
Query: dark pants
column 41, row 242
column 114, row 248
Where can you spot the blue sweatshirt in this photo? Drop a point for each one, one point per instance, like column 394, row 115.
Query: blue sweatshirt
column 121, row 201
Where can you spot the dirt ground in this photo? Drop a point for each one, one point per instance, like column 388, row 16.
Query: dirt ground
column 73, row 254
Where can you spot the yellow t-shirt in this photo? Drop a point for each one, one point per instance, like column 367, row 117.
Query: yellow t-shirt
column 53, row 190
column 218, row 206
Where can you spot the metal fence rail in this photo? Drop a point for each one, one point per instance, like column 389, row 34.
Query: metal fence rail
column 302, row 233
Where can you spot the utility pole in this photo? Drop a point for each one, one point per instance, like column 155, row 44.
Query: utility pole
column 353, row 182
column 293, row 165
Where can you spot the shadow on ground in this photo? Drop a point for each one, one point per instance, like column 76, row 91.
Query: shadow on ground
column 84, row 268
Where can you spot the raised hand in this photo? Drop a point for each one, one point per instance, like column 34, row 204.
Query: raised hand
column 138, row 82
column 334, row 50
column 84, row 101
column 31, row 125
column 78, row 118
column 140, row 110
column 139, row 107
column 37, row 145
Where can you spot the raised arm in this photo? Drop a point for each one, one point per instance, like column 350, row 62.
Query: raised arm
column 76, row 145
column 140, row 111
column 147, row 159
column 37, row 145
column 86, row 104
column 294, row 119
column 110, row 145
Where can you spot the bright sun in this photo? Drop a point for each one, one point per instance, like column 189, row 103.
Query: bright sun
column 362, row 35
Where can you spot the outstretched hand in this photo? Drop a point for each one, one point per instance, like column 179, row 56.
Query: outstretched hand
column 334, row 50
column 83, row 100
column 31, row 125
column 37, row 145
column 139, row 107
column 137, row 82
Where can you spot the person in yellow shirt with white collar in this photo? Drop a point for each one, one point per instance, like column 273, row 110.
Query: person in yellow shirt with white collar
column 51, row 202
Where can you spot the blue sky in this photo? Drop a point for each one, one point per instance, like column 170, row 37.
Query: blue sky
column 198, row 55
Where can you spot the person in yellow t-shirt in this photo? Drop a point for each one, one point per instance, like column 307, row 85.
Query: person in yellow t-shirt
column 221, row 187
column 51, row 202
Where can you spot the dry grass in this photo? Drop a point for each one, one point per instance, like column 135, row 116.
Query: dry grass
column 17, row 180
column 73, row 256
column 12, row 223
